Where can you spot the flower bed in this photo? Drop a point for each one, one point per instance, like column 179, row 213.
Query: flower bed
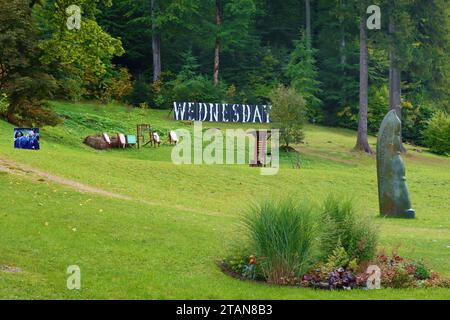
column 396, row 272
column 284, row 245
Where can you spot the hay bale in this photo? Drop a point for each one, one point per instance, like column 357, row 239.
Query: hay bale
column 97, row 142
column 115, row 143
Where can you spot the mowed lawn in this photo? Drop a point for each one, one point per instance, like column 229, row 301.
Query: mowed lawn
column 164, row 240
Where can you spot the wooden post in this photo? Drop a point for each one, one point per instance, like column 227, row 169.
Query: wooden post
column 138, row 137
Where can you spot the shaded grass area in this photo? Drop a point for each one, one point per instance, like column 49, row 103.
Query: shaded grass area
column 166, row 242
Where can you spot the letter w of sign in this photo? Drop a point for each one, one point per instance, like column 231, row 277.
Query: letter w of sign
column 74, row 19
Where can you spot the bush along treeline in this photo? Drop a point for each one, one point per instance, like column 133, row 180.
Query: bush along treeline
column 150, row 53
column 283, row 244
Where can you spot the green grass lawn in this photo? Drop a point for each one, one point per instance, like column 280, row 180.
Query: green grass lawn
column 165, row 239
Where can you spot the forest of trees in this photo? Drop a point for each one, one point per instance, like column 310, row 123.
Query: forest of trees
column 153, row 52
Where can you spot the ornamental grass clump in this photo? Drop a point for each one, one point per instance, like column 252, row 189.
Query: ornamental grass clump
column 282, row 234
column 341, row 226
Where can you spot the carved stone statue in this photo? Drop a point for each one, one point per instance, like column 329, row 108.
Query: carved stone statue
column 392, row 189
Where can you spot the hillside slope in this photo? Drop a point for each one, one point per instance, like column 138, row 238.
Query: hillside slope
column 162, row 233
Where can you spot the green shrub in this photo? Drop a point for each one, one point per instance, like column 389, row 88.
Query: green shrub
column 378, row 107
column 70, row 87
column 282, row 234
column 4, row 103
column 161, row 96
column 341, row 227
column 242, row 262
column 437, row 134
column 415, row 118
column 236, row 263
column 197, row 89
column 288, row 114
column 398, row 272
column 141, row 92
column 262, row 79
column 401, row 279
column 32, row 113
column 303, row 75
column 120, row 85
column 338, row 259
column 95, row 85
column 421, row 271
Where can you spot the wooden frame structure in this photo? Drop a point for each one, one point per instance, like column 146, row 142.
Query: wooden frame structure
column 260, row 151
column 141, row 131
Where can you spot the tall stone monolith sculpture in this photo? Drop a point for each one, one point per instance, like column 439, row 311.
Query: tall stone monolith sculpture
column 392, row 189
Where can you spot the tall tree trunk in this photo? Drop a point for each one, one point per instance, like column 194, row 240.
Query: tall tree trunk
column 394, row 77
column 308, row 23
column 342, row 43
column 156, row 44
column 362, row 143
column 218, row 42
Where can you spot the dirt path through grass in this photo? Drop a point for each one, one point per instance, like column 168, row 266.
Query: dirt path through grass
column 15, row 168
column 19, row 169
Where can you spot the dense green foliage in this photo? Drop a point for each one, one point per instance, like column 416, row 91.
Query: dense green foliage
column 288, row 114
column 261, row 48
column 190, row 85
column 437, row 134
column 4, row 103
column 239, row 51
column 302, row 73
column 343, row 231
column 80, row 59
column 23, row 78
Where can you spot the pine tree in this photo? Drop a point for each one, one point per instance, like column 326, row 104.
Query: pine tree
column 302, row 74
column 23, row 77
